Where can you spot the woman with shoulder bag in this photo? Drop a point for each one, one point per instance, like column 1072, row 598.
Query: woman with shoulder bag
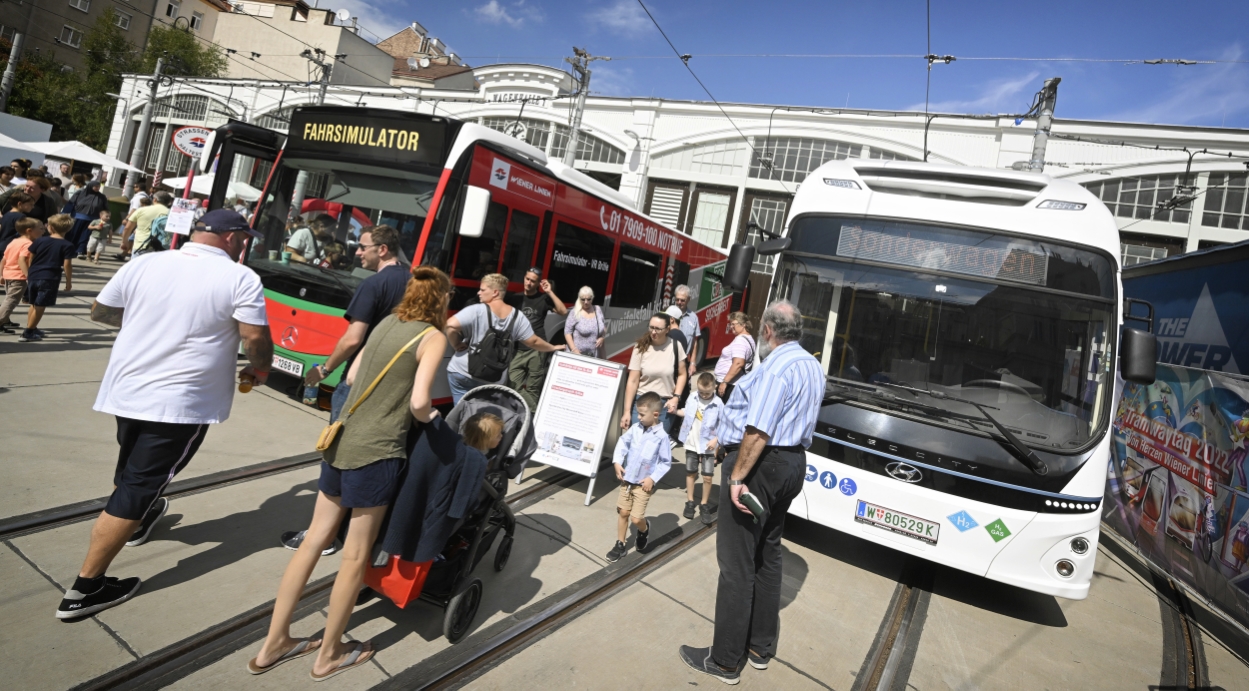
column 737, row 358
column 364, row 455
column 655, row 365
column 585, row 327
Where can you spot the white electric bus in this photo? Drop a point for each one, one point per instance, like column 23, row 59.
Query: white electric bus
column 969, row 324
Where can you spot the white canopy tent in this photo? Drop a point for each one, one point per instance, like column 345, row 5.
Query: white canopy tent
column 76, row 151
column 203, row 184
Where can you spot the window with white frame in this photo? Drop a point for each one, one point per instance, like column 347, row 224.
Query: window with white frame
column 711, row 216
column 279, row 120
column 1225, row 205
column 541, row 134
column 70, row 36
column 882, row 155
column 122, row 20
column 768, row 214
column 172, row 7
column 197, row 20
column 83, row 5
column 1139, row 254
column 1138, row 197
column 7, row 33
column 789, row 159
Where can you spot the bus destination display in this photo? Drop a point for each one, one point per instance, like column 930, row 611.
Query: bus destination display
column 1002, row 263
column 385, row 140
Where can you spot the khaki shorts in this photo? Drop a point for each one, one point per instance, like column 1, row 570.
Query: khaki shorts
column 633, row 499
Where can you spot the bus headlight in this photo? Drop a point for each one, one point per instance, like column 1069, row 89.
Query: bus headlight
column 1065, row 568
column 1079, row 545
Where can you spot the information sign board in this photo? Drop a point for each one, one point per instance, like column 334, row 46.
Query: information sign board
column 181, row 216
column 575, row 414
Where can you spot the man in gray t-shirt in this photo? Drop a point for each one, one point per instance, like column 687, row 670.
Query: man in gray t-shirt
column 470, row 325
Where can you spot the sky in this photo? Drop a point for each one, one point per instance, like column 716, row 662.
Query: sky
column 544, row 31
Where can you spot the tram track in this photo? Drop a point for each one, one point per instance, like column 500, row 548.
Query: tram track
column 888, row 662
column 47, row 519
column 165, row 666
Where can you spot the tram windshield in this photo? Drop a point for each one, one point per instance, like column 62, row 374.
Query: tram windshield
column 339, row 202
column 1018, row 326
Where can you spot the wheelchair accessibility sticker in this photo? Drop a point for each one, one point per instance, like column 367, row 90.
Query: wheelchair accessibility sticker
column 847, row 487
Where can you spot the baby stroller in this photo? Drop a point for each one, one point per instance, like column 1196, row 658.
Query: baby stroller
column 448, row 582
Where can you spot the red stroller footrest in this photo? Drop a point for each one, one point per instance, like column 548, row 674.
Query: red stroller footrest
column 399, row 580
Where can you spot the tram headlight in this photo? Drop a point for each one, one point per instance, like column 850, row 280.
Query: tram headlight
column 1079, row 545
column 1065, row 568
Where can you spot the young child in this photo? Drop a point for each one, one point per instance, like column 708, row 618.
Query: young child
column 14, row 266
column 698, row 434
column 101, row 234
column 483, row 431
column 643, row 456
column 50, row 256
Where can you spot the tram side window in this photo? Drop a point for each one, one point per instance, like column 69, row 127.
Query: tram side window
column 581, row 258
column 680, row 275
column 518, row 256
column 637, row 278
column 480, row 256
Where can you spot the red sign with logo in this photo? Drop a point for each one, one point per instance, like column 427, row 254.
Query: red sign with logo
column 510, row 181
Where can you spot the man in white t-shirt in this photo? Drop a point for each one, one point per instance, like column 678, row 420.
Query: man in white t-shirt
column 170, row 375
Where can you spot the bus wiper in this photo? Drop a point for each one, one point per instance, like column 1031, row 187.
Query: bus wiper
column 849, row 386
column 1025, row 454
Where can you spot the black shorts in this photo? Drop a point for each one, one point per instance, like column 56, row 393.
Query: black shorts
column 42, row 292
column 365, row 487
column 151, row 454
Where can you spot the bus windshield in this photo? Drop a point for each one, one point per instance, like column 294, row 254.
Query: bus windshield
column 1020, row 327
column 340, row 199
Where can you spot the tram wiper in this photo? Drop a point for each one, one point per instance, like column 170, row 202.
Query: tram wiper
column 1025, row 454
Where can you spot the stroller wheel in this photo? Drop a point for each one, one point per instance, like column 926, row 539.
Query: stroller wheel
column 502, row 553
column 461, row 610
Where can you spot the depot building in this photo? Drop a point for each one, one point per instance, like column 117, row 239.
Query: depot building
column 687, row 166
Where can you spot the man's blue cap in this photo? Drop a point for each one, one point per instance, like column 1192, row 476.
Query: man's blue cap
column 224, row 221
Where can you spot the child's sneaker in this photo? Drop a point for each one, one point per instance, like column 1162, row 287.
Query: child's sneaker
column 705, row 511
column 689, row 509
column 40, row 333
column 29, row 335
column 643, row 536
column 617, row 552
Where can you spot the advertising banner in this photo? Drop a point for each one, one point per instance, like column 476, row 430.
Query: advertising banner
column 577, row 410
column 1178, row 486
column 181, row 216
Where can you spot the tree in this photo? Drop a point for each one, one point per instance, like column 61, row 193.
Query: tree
column 185, row 55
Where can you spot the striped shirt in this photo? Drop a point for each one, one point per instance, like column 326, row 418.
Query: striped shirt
column 781, row 398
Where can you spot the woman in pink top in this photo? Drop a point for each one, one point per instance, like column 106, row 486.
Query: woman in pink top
column 737, row 357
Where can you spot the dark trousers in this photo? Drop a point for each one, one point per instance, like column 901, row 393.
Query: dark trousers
column 79, row 234
column 748, row 597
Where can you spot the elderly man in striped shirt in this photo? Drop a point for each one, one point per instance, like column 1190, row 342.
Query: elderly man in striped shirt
column 767, row 425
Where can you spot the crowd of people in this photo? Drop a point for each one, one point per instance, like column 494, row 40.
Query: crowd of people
column 391, row 351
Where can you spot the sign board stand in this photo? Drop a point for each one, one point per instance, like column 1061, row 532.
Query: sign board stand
column 578, row 414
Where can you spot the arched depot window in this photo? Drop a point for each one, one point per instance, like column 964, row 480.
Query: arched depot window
column 789, row 159
column 552, row 138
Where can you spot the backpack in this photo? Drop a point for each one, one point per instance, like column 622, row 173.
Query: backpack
column 489, row 359
column 158, row 239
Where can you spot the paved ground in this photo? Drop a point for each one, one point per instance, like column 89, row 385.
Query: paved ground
column 216, row 556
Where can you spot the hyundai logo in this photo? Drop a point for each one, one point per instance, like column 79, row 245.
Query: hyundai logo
column 289, row 336
column 904, row 472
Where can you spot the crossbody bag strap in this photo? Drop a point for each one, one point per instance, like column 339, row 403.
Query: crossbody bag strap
column 386, row 369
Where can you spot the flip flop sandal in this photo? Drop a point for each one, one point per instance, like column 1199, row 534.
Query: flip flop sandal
column 354, row 659
column 302, row 648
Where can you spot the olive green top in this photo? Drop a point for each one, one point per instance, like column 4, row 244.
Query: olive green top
column 379, row 427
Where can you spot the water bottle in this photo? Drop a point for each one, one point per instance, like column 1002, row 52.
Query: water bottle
column 310, row 392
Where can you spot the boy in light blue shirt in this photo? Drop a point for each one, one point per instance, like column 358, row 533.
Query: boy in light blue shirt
column 642, row 457
column 698, row 433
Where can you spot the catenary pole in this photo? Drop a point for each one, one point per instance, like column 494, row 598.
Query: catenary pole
column 140, row 141
column 10, row 71
column 581, row 68
column 1045, row 120
column 301, row 180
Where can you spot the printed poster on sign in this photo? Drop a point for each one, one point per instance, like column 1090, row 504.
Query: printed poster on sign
column 1179, row 480
column 576, row 411
column 191, row 140
column 181, row 216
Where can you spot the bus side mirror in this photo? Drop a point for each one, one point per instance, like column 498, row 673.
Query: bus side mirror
column 473, row 218
column 737, row 270
column 1138, row 356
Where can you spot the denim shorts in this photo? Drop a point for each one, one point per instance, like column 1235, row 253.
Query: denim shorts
column 696, row 461
column 364, row 487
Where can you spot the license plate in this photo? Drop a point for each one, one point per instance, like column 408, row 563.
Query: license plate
column 288, row 365
column 897, row 522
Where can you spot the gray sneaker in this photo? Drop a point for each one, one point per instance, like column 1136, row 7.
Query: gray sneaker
column 617, row 552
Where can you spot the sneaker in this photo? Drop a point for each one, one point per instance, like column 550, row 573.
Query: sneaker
column 153, row 515
column 756, row 661
column 6, row 330
column 617, row 552
column 704, row 510
column 10, row 324
column 643, row 536
column 114, row 592
column 29, row 335
column 699, row 659
column 292, row 539
column 40, row 333
column 689, row 509
column 82, row 256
